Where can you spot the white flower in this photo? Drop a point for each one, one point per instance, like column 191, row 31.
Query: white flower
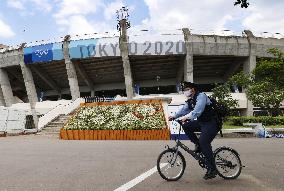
column 118, row 117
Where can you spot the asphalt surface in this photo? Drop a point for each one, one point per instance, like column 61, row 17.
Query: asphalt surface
column 39, row 163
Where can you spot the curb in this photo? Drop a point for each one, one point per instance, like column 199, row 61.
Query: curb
column 21, row 132
column 227, row 133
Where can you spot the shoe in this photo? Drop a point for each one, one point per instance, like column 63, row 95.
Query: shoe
column 210, row 174
column 197, row 149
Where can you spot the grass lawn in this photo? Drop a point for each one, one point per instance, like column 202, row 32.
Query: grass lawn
column 227, row 125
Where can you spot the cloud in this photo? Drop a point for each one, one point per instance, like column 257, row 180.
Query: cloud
column 17, row 4
column 79, row 25
column 265, row 16
column 196, row 14
column 217, row 15
column 72, row 16
column 111, row 8
column 75, row 7
column 42, row 5
column 5, row 30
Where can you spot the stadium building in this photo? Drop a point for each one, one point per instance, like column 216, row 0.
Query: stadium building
column 130, row 66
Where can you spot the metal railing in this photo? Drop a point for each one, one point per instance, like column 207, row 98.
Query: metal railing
column 98, row 99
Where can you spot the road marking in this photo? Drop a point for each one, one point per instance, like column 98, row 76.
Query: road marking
column 139, row 179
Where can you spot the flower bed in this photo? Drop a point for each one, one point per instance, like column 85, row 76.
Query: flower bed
column 158, row 134
column 117, row 120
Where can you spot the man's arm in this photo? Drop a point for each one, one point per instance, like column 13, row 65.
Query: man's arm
column 198, row 109
column 182, row 111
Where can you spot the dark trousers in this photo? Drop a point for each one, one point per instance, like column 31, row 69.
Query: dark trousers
column 208, row 132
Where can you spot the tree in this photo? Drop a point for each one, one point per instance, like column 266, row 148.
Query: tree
column 265, row 86
column 271, row 69
column 240, row 79
column 222, row 93
column 243, row 3
column 266, row 95
column 267, row 89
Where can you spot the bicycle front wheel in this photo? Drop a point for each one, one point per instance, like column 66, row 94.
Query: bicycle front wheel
column 171, row 165
column 228, row 163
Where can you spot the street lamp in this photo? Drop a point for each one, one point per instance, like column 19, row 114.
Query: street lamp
column 122, row 14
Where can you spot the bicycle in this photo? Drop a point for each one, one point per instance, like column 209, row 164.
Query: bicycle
column 171, row 158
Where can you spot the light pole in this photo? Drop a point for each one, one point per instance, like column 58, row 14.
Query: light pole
column 122, row 17
column 122, row 26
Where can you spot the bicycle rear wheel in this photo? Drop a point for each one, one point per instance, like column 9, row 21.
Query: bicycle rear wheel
column 171, row 165
column 228, row 163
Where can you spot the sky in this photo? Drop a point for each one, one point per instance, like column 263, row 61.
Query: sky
column 50, row 20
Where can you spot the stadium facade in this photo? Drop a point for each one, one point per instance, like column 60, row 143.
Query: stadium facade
column 126, row 65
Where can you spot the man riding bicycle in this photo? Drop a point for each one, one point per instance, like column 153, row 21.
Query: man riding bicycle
column 198, row 115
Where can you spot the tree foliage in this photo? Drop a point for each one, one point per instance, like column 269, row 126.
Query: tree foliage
column 266, row 95
column 243, row 3
column 271, row 69
column 222, row 93
column 264, row 86
column 240, row 79
column 267, row 89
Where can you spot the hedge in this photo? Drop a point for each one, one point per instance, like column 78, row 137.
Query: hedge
column 265, row 120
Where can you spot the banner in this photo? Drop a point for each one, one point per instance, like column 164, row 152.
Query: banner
column 43, row 53
column 82, row 48
column 94, row 48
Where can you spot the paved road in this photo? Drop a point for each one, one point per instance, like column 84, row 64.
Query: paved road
column 39, row 163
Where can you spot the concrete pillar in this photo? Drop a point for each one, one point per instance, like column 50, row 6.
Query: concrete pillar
column 188, row 60
column 2, row 100
column 92, row 93
column 30, row 88
column 71, row 71
column 250, row 65
column 6, row 88
column 123, row 45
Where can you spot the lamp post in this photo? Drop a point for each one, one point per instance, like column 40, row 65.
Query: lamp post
column 122, row 16
column 122, row 26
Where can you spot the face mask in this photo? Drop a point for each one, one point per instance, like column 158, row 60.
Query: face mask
column 187, row 93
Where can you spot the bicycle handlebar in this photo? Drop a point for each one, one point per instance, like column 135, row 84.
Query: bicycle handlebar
column 178, row 121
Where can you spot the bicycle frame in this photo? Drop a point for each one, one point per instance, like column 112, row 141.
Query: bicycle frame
column 174, row 158
column 184, row 147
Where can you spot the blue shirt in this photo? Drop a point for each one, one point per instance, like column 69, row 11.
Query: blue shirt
column 201, row 101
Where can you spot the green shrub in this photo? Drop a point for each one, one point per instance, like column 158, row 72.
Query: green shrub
column 265, row 120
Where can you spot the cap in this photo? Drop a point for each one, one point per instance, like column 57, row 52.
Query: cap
column 188, row 85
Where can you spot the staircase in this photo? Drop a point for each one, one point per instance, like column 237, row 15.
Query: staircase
column 53, row 128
